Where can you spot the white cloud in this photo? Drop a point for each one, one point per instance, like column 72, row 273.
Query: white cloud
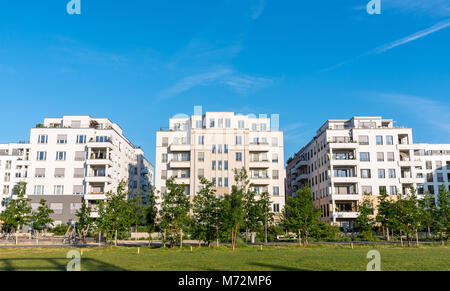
column 439, row 8
column 258, row 9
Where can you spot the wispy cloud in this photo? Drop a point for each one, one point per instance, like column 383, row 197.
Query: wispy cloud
column 439, row 8
column 241, row 83
column 386, row 47
column 258, row 9
column 435, row 113
column 412, row 37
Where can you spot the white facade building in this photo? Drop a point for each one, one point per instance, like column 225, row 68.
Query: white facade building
column 349, row 158
column 78, row 157
column 214, row 144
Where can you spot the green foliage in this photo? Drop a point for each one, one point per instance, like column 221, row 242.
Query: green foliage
column 300, row 214
column 323, row 231
column 174, row 212
column 18, row 210
column 59, row 229
column 84, row 217
column 41, row 219
column 207, row 210
column 150, row 211
column 364, row 221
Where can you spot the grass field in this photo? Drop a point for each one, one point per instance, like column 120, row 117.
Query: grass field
column 247, row 258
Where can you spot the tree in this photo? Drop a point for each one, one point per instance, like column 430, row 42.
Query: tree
column 252, row 212
column 85, row 220
column 150, row 213
column 300, row 214
column 427, row 208
column 137, row 205
column 385, row 212
column 41, row 219
column 114, row 212
column 174, row 212
column 442, row 213
column 406, row 215
column 364, row 221
column 18, row 210
column 266, row 215
column 206, row 213
column 233, row 205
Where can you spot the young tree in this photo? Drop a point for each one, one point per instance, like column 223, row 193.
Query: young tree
column 233, row 205
column 427, row 208
column 442, row 213
column 137, row 206
column 252, row 212
column 300, row 214
column 41, row 219
column 385, row 212
column 174, row 212
column 407, row 215
column 206, row 213
column 364, row 221
column 114, row 212
column 85, row 220
column 266, row 215
column 18, row 210
column 150, row 213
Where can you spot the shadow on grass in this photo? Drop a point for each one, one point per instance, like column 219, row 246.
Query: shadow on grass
column 280, row 268
column 54, row 264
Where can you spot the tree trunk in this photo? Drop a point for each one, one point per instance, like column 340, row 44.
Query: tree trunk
column 181, row 238
column 429, row 232
column 387, row 228
column 115, row 238
column 99, row 238
column 232, row 238
column 299, row 237
column 236, row 234
column 417, row 238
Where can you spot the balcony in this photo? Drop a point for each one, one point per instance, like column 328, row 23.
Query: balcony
column 409, row 163
column 180, row 181
column 98, row 179
column 346, row 197
column 345, row 179
column 348, row 215
column 101, row 145
column 180, row 164
column 344, row 162
column 99, row 162
column 260, row 180
column 409, row 180
column 259, row 164
column 259, row 147
column 92, row 196
column 180, row 148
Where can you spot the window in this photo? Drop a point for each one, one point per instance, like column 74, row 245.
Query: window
column 163, row 174
column 220, row 123
column 219, row 165
column 165, row 141
column 57, row 207
column 393, row 190
column 75, row 207
column 429, row 165
column 219, row 149
column 213, row 149
column 80, row 156
column 225, row 149
column 363, row 140
column 439, row 165
column 41, row 156
column 274, row 141
column 239, row 157
column 201, row 173
column 78, row 173
column 254, row 127
column 58, row 190
column 382, row 189
column 276, row 191
column 101, row 139
column 440, row 177
column 364, row 157
column 201, row 140
column 238, row 140
column 60, row 156
column 228, row 123
column 430, row 177
column 198, row 124
column 164, row 158
column 366, row 190
column 390, row 157
column 225, row 165
column 365, row 173
column 39, row 190
column 431, row 189
column 381, row 173
column 379, row 140
column 392, row 174
column 275, row 175
column 380, row 157
column 241, row 124
column 263, row 127
column 389, row 140
column 201, row 156
column 78, row 189
column 42, row 139
column 225, row 182
column 60, row 172
column 39, row 173
column 81, row 139
column 6, row 190
column 61, row 139
column 276, row 208
column 212, row 123
column 274, row 158
column 220, row 182
column 213, row 166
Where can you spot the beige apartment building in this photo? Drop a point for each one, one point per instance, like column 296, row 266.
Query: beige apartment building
column 214, row 144
column 364, row 155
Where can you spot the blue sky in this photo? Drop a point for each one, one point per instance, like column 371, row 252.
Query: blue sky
column 140, row 62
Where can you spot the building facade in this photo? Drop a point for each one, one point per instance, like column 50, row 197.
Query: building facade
column 76, row 158
column 213, row 145
column 364, row 155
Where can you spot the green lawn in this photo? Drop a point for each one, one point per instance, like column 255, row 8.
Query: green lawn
column 247, row 258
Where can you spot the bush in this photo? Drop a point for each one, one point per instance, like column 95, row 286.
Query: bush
column 59, row 229
column 326, row 232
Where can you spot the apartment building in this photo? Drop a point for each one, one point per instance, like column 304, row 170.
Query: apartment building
column 214, row 144
column 76, row 158
column 348, row 158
